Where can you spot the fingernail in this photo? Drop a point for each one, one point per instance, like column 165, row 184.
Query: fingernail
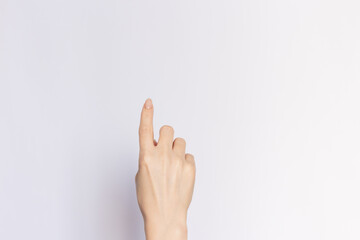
column 148, row 103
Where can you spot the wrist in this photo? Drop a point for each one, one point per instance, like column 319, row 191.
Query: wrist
column 160, row 230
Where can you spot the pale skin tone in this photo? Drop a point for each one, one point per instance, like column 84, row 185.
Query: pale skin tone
column 164, row 181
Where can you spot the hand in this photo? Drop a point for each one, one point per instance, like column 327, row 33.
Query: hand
column 165, row 180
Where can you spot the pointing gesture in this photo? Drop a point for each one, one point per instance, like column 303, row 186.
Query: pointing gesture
column 164, row 181
column 146, row 131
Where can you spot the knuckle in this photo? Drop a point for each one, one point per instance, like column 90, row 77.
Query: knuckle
column 189, row 168
column 164, row 153
column 144, row 130
column 167, row 128
column 180, row 140
column 190, row 160
column 143, row 164
column 190, row 157
column 145, row 153
column 177, row 163
column 145, row 160
column 178, row 158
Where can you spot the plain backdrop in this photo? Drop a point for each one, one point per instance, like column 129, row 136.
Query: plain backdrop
column 266, row 93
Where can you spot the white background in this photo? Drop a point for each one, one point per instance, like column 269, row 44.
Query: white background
column 266, row 93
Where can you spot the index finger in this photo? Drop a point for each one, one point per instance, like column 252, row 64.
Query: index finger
column 146, row 132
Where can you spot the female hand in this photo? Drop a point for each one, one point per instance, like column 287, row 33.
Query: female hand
column 164, row 181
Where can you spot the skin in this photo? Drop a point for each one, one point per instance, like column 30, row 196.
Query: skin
column 164, row 181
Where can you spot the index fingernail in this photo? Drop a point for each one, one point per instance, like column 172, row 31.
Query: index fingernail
column 148, row 103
